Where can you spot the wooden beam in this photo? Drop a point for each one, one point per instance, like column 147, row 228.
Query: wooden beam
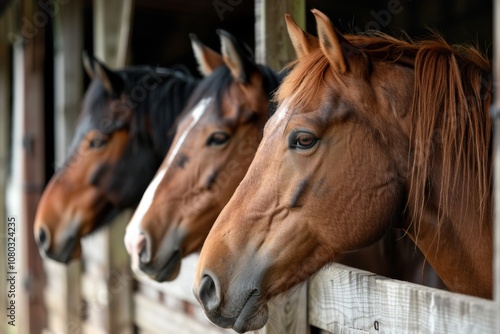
column 112, row 23
column 272, row 44
column 62, row 292
column 28, row 166
column 5, row 107
column 348, row 300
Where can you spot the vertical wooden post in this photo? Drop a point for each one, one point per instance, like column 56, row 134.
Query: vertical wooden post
column 496, row 154
column 105, row 255
column 274, row 48
column 112, row 22
column 62, row 292
column 5, row 107
column 272, row 44
column 30, row 168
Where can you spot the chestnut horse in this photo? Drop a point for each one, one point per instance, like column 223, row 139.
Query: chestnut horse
column 371, row 133
column 211, row 152
column 120, row 141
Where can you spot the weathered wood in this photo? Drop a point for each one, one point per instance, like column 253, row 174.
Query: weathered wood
column 272, row 44
column 108, row 270
column 153, row 317
column 62, row 293
column 5, row 107
column 348, row 300
column 68, row 76
column 288, row 314
column 112, row 23
column 31, row 164
column 181, row 287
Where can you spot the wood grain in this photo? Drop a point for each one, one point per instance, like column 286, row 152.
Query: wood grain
column 348, row 300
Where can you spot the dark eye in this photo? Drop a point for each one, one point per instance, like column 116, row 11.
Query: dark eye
column 217, row 139
column 97, row 142
column 303, row 140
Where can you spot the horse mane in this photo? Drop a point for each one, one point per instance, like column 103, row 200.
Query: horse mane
column 217, row 84
column 449, row 115
column 163, row 103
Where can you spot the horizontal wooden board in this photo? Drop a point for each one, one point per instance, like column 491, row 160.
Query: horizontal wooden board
column 348, row 300
column 153, row 317
column 181, row 287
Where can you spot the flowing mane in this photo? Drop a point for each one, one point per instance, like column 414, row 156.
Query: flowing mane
column 449, row 112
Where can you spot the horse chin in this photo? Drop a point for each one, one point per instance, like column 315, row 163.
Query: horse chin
column 169, row 273
column 166, row 272
column 253, row 316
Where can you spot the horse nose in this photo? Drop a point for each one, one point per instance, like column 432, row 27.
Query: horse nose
column 144, row 248
column 209, row 293
column 43, row 239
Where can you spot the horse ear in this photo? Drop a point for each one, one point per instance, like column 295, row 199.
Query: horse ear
column 88, row 64
column 302, row 42
column 113, row 83
column 208, row 60
column 331, row 42
column 239, row 63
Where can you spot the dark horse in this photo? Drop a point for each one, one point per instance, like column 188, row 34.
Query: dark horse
column 371, row 133
column 124, row 131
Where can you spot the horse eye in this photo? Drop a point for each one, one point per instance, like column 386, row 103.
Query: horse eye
column 303, row 140
column 97, row 142
column 217, row 139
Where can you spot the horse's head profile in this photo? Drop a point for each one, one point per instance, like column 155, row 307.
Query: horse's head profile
column 119, row 142
column 214, row 145
column 371, row 133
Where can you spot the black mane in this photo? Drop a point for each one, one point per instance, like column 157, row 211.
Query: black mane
column 218, row 83
column 156, row 97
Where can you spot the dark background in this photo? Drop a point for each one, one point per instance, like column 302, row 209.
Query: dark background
column 160, row 28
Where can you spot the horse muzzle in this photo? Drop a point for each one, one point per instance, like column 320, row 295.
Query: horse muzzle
column 246, row 311
column 62, row 249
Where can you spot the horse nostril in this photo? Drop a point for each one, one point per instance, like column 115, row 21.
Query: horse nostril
column 208, row 293
column 43, row 239
column 144, row 248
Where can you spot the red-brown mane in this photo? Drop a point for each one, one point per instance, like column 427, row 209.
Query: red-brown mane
column 449, row 113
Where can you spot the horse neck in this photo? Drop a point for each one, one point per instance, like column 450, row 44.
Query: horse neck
column 459, row 247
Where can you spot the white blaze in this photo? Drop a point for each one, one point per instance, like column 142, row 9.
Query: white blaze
column 133, row 238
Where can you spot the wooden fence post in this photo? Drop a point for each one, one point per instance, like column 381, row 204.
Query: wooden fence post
column 274, row 48
column 62, row 292
column 272, row 44
column 5, row 107
column 28, row 168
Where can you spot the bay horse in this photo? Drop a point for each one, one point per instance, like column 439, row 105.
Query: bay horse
column 371, row 133
column 212, row 159
column 216, row 140
column 124, row 130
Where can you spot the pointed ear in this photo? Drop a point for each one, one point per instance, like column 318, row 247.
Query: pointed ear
column 208, row 60
column 113, row 83
column 88, row 64
column 302, row 42
column 331, row 42
column 236, row 59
